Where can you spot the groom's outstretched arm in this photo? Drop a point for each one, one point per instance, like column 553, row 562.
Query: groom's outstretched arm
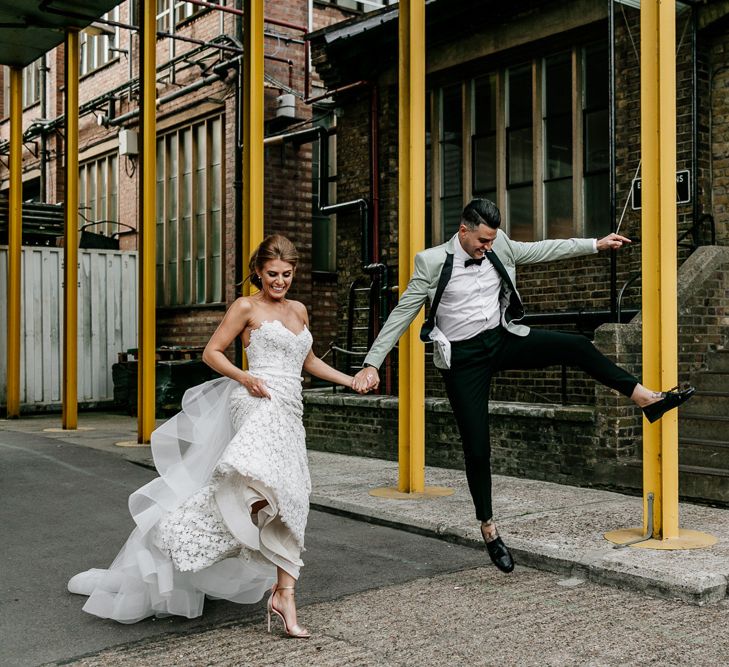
column 403, row 314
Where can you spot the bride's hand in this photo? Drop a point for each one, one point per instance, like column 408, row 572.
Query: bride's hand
column 255, row 386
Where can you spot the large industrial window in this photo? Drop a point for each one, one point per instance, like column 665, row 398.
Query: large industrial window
column 98, row 194
column 189, row 215
column 324, row 230
column 167, row 9
column 97, row 46
column 31, row 85
column 532, row 137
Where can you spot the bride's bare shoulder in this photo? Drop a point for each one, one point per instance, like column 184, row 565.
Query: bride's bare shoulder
column 300, row 309
column 241, row 307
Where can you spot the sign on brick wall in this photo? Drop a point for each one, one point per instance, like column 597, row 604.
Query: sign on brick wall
column 683, row 189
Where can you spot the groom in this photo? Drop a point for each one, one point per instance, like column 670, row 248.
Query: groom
column 474, row 323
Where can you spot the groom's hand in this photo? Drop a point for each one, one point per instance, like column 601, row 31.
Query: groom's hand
column 612, row 242
column 368, row 378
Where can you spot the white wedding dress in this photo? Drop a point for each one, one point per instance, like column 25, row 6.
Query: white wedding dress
column 226, row 451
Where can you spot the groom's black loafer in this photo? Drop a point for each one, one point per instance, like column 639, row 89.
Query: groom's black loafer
column 500, row 555
column 671, row 399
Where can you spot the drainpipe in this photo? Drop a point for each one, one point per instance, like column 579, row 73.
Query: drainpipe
column 694, row 124
column 43, row 140
column 613, row 185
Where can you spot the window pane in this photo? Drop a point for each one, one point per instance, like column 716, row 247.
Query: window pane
column 485, row 104
column 451, row 209
column 186, row 215
column 172, row 222
column 521, row 214
column 216, row 188
column 484, row 163
column 558, row 209
column 558, row 85
column 520, row 96
column 451, row 159
column 161, row 147
column 596, row 76
column 114, row 176
column 597, row 205
column 597, row 134
column 520, row 155
column 558, row 147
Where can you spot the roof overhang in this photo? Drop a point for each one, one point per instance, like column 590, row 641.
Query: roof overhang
column 30, row 28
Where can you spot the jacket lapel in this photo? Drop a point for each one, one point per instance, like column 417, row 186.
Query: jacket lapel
column 515, row 310
column 445, row 276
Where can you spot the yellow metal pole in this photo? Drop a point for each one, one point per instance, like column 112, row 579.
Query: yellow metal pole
column 660, row 363
column 252, row 223
column 15, row 234
column 69, row 416
column 147, row 217
column 411, row 411
column 659, row 268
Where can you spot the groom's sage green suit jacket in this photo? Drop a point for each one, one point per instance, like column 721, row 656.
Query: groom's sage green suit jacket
column 427, row 274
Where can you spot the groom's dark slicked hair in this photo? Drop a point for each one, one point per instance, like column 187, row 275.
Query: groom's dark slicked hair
column 481, row 212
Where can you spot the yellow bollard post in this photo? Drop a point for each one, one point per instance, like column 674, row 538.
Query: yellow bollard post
column 69, row 415
column 659, row 267
column 15, row 235
column 252, row 223
column 147, row 217
column 411, row 216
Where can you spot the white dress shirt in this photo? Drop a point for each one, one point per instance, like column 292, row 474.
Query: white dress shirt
column 470, row 301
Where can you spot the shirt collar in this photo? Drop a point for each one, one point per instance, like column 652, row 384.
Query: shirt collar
column 459, row 252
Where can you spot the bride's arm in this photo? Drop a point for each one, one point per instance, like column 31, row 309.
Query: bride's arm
column 322, row 370
column 317, row 367
column 233, row 323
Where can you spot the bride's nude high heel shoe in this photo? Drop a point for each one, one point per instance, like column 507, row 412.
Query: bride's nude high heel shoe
column 297, row 632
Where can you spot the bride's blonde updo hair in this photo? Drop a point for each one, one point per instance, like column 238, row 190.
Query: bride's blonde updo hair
column 272, row 247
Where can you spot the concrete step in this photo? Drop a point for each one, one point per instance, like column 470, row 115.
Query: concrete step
column 704, row 452
column 694, row 425
column 718, row 360
column 711, row 381
column 708, row 403
column 702, row 483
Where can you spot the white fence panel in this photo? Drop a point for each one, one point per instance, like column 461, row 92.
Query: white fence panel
column 107, row 322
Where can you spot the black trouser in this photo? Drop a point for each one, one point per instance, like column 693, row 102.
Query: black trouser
column 476, row 360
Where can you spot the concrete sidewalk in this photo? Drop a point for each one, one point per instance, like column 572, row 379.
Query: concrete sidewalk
column 547, row 526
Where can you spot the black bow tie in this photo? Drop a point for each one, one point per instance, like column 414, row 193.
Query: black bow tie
column 471, row 261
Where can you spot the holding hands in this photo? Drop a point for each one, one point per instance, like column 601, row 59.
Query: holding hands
column 366, row 380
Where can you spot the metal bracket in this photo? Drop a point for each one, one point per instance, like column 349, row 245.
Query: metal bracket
column 649, row 529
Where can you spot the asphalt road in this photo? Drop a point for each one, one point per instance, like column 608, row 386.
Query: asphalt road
column 64, row 510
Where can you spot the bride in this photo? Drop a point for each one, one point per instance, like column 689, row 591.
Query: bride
column 226, row 517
